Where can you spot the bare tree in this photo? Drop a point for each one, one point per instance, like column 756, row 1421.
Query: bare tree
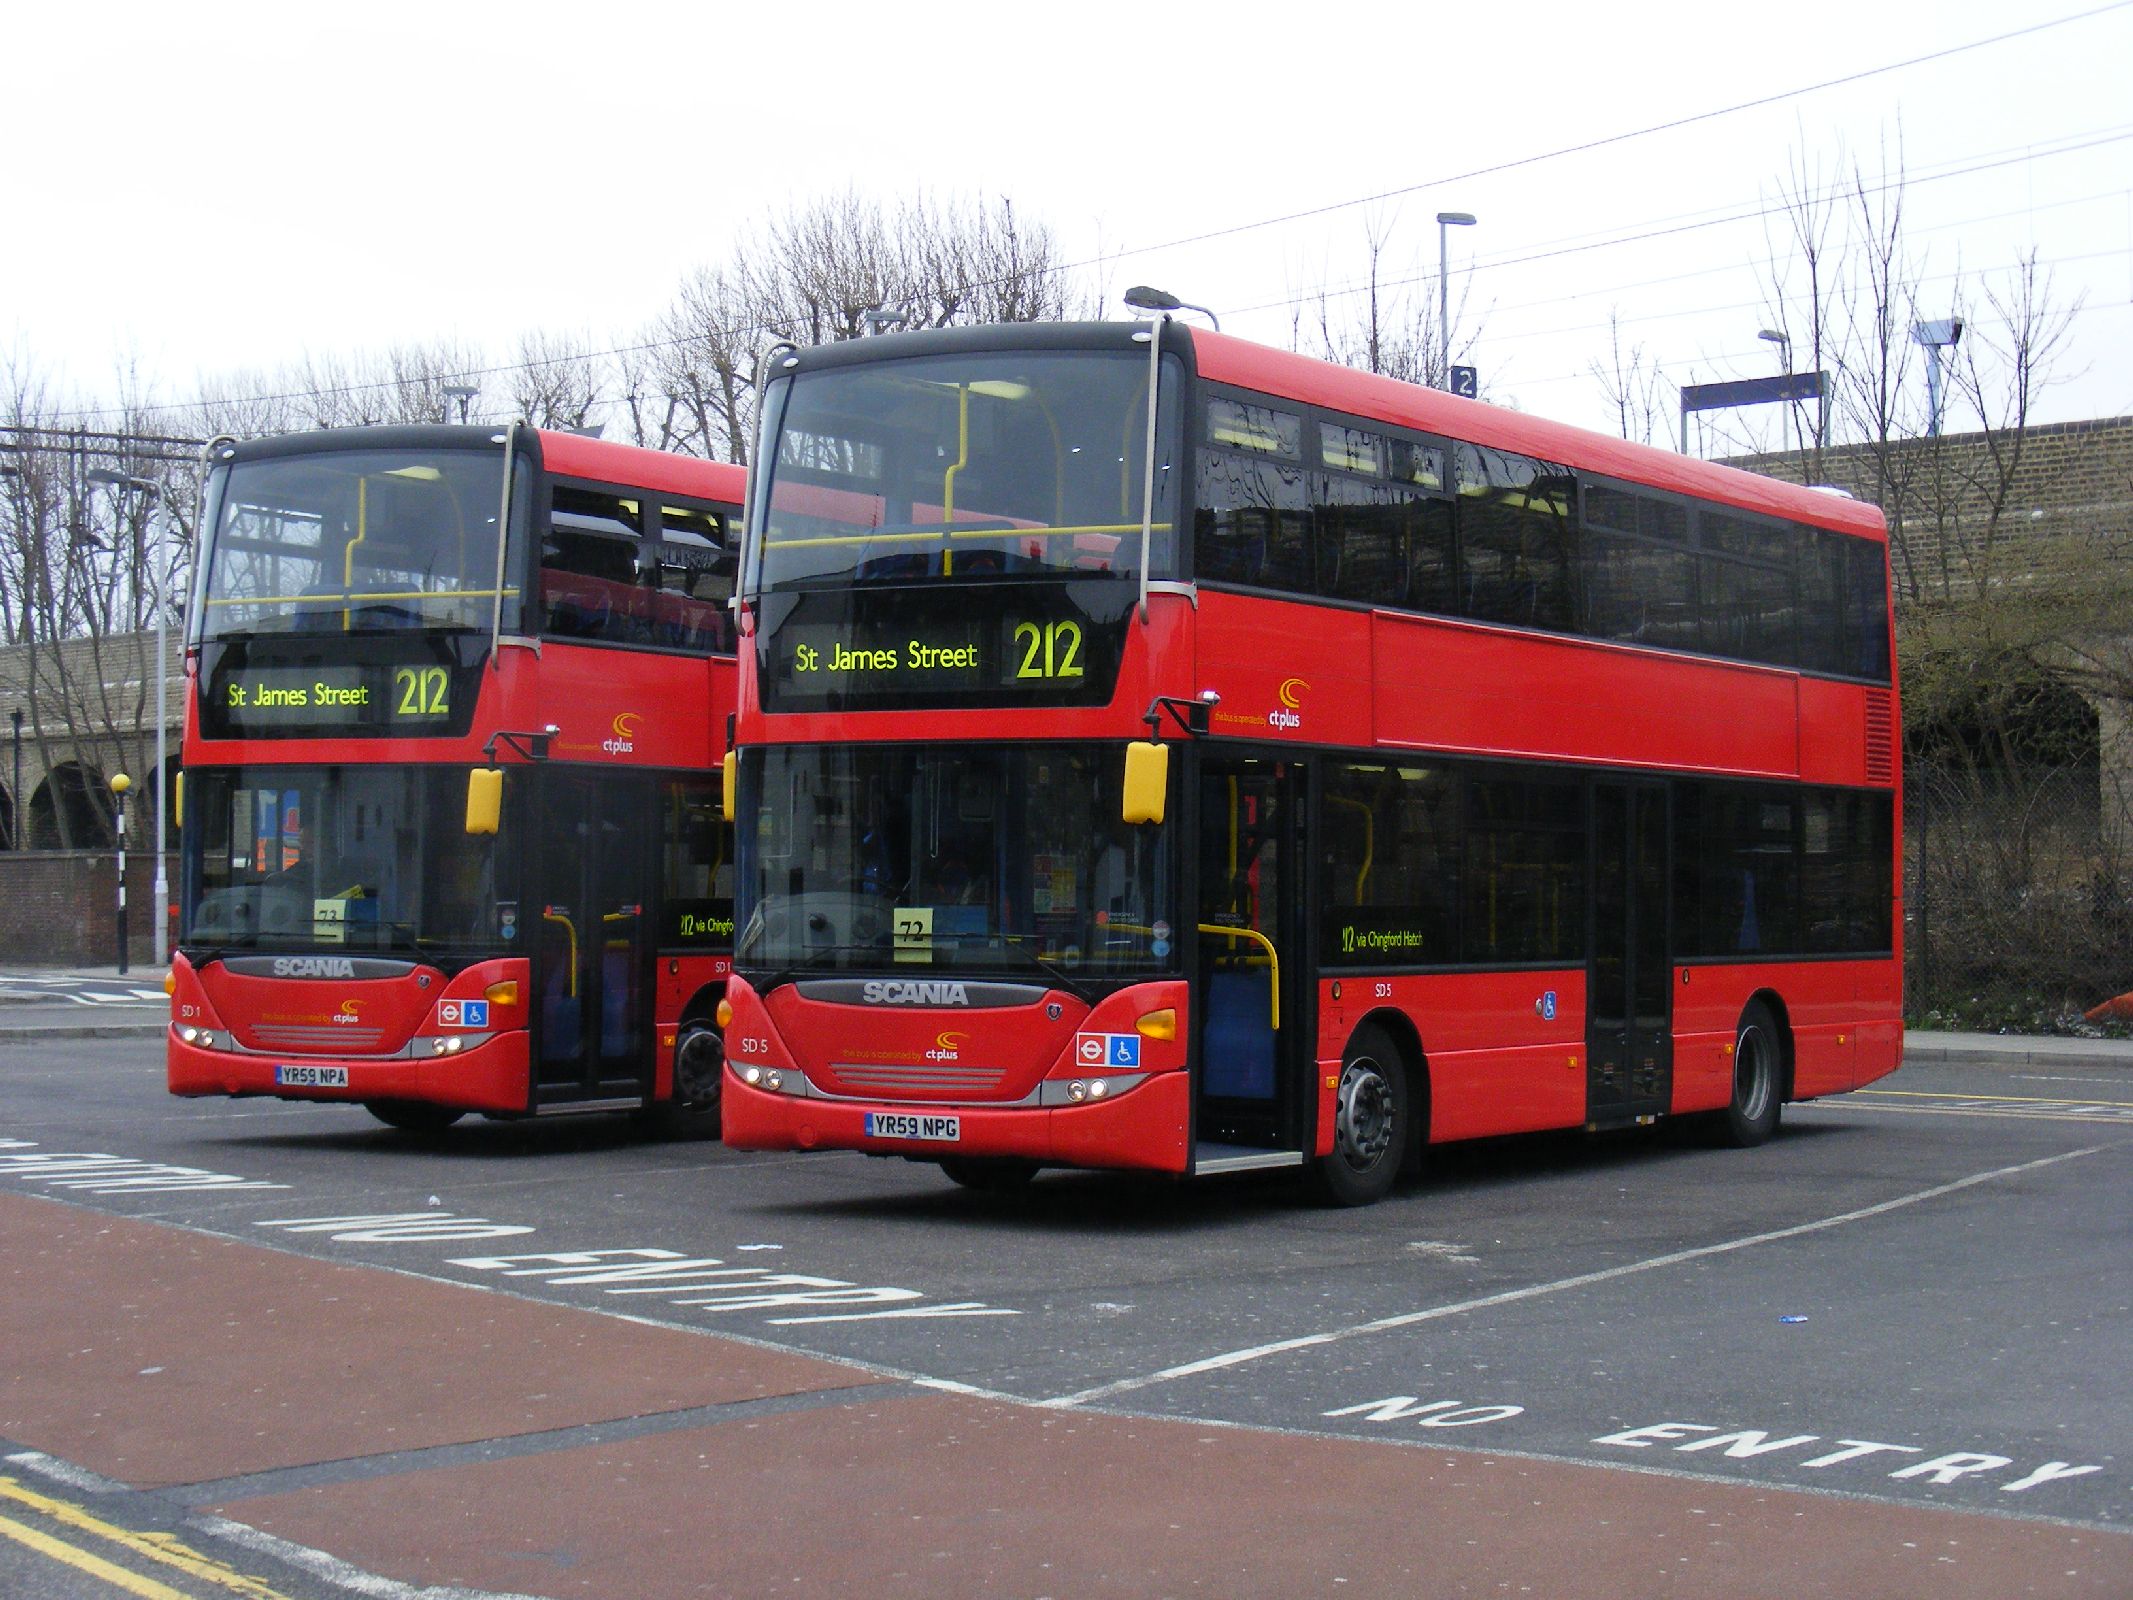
column 557, row 383
column 1635, row 388
column 1392, row 325
column 81, row 574
column 832, row 269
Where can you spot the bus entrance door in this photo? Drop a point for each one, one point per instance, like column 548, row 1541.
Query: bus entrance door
column 1629, row 1045
column 1248, row 1106
column 592, row 975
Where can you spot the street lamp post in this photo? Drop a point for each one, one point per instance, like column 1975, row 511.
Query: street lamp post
column 120, row 783
column 1447, row 220
column 1936, row 336
column 1784, row 344
column 159, row 529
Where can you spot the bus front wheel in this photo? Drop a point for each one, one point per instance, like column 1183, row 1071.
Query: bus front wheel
column 699, row 1075
column 413, row 1116
column 994, row 1175
column 1370, row 1119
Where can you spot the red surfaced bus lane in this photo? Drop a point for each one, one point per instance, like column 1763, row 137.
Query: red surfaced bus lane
column 477, row 1439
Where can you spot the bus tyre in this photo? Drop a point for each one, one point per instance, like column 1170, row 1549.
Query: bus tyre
column 1370, row 1117
column 413, row 1116
column 994, row 1176
column 699, row 1075
column 1758, row 1079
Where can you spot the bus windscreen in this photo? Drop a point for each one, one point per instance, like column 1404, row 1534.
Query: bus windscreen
column 347, row 859
column 357, row 541
column 1002, row 859
column 991, row 465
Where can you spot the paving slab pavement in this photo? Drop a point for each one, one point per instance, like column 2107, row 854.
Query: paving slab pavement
column 440, row 1434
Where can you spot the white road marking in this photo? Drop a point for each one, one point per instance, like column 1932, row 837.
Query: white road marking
column 1238, row 1358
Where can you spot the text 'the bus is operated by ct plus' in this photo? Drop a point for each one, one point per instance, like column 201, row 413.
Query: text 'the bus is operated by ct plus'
column 452, row 833
column 1157, row 751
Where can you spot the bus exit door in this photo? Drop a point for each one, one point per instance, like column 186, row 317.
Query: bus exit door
column 1629, row 1042
column 1250, row 1109
column 592, row 965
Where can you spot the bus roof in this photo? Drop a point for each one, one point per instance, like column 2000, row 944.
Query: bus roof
column 1222, row 358
column 571, row 455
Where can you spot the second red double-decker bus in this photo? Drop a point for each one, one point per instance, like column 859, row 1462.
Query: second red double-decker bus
column 1159, row 751
column 452, row 837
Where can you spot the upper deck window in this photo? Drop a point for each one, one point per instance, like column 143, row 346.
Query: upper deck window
column 1348, row 449
column 1261, row 428
column 358, row 541
column 971, row 467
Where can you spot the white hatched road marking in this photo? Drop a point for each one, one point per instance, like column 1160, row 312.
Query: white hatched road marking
column 1919, row 1103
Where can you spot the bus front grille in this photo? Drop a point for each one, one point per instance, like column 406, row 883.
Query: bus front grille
column 325, row 1039
column 933, row 1079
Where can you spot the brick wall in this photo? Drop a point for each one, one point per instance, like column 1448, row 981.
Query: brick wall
column 60, row 908
column 2065, row 504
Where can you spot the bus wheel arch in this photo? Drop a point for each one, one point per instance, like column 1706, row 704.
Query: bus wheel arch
column 1372, row 1114
column 692, row 1109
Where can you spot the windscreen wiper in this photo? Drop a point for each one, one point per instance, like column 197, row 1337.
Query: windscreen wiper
column 1012, row 943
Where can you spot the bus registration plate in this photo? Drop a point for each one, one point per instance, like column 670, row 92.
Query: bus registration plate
column 903, row 1125
column 311, row 1077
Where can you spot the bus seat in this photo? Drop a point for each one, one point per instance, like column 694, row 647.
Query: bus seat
column 1237, row 1050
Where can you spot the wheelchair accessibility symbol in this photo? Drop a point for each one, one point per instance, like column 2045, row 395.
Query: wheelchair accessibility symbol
column 1546, row 1006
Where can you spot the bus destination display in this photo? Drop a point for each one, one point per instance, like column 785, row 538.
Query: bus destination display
column 973, row 654
column 341, row 698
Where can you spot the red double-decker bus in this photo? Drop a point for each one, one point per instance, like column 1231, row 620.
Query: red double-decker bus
column 1157, row 751
column 452, row 833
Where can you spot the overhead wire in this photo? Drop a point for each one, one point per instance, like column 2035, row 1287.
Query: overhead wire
column 1674, row 124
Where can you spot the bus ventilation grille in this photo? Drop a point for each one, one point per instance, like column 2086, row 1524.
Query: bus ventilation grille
column 1880, row 738
column 329, row 1039
column 918, row 1080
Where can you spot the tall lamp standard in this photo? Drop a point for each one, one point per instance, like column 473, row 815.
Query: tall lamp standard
column 1784, row 344
column 14, row 816
column 159, row 527
column 1447, row 220
column 120, row 783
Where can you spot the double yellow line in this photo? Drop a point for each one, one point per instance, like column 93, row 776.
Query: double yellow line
column 162, row 1548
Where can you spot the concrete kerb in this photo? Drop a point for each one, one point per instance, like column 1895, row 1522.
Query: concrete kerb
column 39, row 1013
column 2012, row 1052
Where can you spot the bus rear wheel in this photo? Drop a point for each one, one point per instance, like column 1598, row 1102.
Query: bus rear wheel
column 1758, row 1080
column 995, row 1175
column 1370, row 1121
column 413, row 1116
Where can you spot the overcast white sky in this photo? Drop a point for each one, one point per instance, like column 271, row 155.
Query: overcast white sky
column 196, row 190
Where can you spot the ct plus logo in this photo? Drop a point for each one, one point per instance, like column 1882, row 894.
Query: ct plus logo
column 1288, row 718
column 350, row 1012
column 945, row 1047
column 625, row 740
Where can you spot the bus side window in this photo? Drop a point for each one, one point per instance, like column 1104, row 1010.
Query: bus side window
column 692, row 566
column 1515, row 539
column 1253, row 523
column 589, row 586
